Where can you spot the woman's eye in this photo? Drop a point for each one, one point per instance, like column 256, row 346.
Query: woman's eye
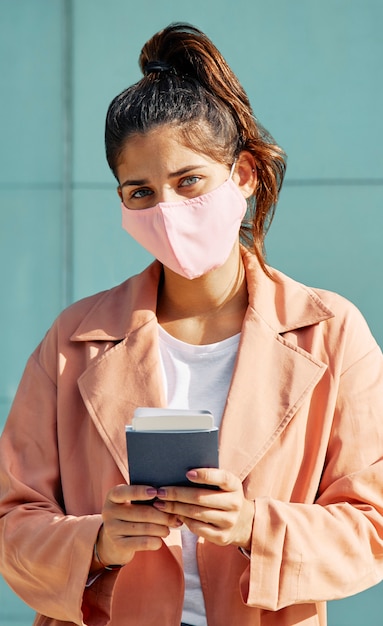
column 141, row 193
column 190, row 180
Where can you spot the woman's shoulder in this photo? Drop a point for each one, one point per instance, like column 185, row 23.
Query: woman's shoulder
column 76, row 313
column 345, row 323
column 337, row 303
column 106, row 315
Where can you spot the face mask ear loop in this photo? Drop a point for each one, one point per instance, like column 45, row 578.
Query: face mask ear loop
column 232, row 169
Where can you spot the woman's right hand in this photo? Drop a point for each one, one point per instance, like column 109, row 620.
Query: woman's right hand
column 128, row 528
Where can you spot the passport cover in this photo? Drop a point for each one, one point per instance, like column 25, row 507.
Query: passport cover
column 162, row 458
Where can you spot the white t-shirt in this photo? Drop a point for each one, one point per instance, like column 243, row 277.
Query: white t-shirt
column 196, row 377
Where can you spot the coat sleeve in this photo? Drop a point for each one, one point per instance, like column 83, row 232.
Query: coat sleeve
column 331, row 548
column 44, row 554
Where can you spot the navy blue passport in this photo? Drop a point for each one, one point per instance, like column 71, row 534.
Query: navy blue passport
column 163, row 444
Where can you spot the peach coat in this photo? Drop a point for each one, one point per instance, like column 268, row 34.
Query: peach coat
column 302, row 428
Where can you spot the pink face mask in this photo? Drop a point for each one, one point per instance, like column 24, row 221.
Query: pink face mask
column 193, row 236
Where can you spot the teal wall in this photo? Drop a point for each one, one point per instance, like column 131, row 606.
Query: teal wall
column 313, row 71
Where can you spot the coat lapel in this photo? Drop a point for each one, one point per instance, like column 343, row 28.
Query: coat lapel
column 270, row 382
column 272, row 376
column 127, row 375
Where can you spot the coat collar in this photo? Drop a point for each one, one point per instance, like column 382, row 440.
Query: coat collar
column 282, row 303
column 121, row 309
column 272, row 377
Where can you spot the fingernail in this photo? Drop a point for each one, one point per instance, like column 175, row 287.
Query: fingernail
column 159, row 505
column 191, row 474
column 161, row 492
column 151, row 491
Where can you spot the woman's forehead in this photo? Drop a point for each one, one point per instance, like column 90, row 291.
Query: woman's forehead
column 163, row 146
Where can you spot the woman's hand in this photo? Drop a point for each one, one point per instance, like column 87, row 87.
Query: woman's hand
column 223, row 517
column 128, row 528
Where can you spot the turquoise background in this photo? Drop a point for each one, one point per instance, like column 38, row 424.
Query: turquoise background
column 313, row 71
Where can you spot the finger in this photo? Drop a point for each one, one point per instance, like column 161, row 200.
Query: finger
column 218, row 513
column 121, row 494
column 123, row 549
column 225, row 528
column 123, row 529
column 214, row 534
column 219, row 517
column 216, row 477
column 137, row 514
column 141, row 544
column 118, row 539
column 212, row 498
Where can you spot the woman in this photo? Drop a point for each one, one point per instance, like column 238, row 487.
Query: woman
column 291, row 374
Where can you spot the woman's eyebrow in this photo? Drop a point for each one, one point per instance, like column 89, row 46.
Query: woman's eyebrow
column 145, row 181
column 187, row 169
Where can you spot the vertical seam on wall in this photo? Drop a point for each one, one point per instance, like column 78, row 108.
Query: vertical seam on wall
column 67, row 156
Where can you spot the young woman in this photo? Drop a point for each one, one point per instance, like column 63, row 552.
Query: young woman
column 291, row 374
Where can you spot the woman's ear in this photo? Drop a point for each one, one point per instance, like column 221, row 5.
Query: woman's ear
column 119, row 191
column 245, row 173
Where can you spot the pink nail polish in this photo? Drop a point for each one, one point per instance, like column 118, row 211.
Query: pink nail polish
column 159, row 505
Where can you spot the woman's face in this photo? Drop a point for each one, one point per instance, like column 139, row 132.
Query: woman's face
column 158, row 167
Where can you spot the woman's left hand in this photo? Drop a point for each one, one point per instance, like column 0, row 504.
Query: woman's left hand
column 221, row 516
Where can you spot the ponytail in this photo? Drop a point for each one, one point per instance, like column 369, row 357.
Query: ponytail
column 188, row 83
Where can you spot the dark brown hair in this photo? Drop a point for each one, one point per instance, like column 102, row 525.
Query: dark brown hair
column 187, row 83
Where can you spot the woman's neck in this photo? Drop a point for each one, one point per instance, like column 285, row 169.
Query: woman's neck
column 207, row 309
